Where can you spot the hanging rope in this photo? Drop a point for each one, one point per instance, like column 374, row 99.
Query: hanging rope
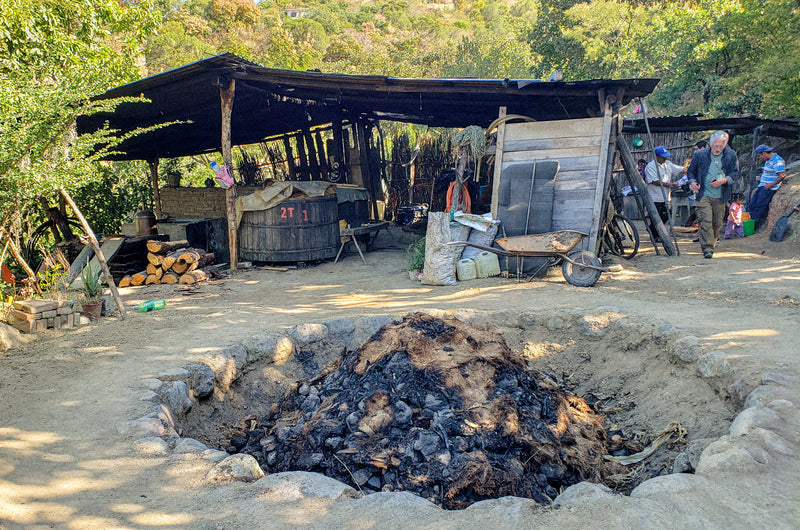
column 464, row 201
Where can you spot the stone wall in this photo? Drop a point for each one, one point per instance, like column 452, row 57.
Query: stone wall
column 196, row 203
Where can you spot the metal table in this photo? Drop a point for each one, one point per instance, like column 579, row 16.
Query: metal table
column 352, row 232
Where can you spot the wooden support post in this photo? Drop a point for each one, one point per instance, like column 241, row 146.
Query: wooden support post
column 226, row 103
column 311, row 150
column 338, row 147
column 96, row 247
column 602, row 174
column 346, row 134
column 366, row 174
column 498, row 163
column 629, row 164
column 321, row 154
column 287, row 146
column 153, row 164
column 34, row 281
column 461, row 166
column 305, row 173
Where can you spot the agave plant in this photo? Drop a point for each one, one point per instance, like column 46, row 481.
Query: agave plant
column 90, row 284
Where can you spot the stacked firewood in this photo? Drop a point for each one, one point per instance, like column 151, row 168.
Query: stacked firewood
column 171, row 262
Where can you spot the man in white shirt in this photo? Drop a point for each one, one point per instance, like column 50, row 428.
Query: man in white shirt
column 658, row 175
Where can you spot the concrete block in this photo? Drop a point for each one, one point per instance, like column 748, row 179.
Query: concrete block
column 21, row 315
column 25, row 326
column 36, row 306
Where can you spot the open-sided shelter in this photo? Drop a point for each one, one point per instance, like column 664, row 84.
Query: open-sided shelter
column 223, row 101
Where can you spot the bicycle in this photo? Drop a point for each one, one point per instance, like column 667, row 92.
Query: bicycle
column 620, row 237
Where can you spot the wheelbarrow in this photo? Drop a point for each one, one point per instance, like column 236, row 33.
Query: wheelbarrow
column 580, row 267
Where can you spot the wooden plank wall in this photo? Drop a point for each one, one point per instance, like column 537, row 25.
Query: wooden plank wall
column 578, row 147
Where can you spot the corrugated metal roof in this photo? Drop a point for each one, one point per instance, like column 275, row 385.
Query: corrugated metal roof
column 697, row 122
column 270, row 101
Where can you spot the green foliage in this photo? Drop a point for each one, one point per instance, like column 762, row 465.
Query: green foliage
column 55, row 55
column 117, row 191
column 416, row 255
column 54, row 282
column 91, row 286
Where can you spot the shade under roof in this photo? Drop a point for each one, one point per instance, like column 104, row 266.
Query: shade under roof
column 270, row 102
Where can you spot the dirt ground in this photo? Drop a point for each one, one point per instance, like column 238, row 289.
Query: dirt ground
column 63, row 463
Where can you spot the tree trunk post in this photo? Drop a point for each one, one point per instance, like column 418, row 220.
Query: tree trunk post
column 366, row 174
column 641, row 191
column 153, row 165
column 287, row 146
column 226, row 103
column 100, row 257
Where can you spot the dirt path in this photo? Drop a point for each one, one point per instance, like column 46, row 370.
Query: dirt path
column 64, row 465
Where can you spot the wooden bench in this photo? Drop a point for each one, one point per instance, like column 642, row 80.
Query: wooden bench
column 351, row 233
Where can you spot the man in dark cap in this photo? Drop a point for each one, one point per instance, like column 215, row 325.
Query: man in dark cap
column 771, row 176
column 711, row 173
column 658, row 175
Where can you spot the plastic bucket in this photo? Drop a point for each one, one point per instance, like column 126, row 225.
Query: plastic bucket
column 749, row 227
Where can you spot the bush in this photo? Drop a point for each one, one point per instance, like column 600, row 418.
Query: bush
column 416, row 255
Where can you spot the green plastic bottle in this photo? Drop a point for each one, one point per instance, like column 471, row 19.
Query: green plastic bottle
column 151, row 305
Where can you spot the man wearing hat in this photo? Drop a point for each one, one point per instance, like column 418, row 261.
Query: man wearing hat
column 658, row 175
column 711, row 173
column 773, row 173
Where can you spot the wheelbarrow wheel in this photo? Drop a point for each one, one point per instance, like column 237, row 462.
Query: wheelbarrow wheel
column 581, row 276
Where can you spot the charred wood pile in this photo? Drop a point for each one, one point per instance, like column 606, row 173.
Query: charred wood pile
column 172, row 262
column 436, row 407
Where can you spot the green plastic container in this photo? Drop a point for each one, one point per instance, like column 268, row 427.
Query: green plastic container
column 749, row 227
column 151, row 305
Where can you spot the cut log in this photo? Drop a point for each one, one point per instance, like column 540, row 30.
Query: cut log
column 151, row 280
column 169, row 260
column 138, row 278
column 205, row 259
column 164, row 247
column 155, row 259
column 151, row 269
column 185, row 260
column 193, row 277
column 125, row 281
column 169, row 278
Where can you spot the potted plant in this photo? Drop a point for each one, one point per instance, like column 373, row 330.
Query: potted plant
column 416, row 258
column 92, row 289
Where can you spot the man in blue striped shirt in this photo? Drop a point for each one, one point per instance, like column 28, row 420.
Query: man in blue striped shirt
column 773, row 173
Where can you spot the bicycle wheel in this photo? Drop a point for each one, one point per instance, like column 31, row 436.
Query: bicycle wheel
column 42, row 231
column 621, row 237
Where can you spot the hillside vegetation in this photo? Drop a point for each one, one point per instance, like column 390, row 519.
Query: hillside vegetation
column 721, row 57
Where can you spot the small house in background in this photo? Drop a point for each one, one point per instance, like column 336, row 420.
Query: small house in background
column 296, row 12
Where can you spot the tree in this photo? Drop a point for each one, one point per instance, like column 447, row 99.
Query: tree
column 55, row 55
